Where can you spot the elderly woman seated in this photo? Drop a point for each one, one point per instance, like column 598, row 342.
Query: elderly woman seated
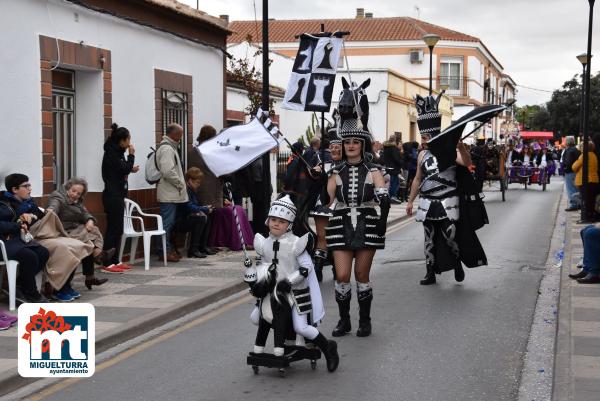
column 79, row 224
column 14, row 232
column 65, row 253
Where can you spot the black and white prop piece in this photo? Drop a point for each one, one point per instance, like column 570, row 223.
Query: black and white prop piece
column 236, row 147
column 443, row 145
column 313, row 75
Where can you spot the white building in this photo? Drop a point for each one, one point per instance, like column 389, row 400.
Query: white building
column 462, row 64
column 72, row 68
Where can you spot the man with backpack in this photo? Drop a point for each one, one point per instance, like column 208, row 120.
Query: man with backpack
column 171, row 188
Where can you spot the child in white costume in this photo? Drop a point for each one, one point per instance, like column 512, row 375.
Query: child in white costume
column 286, row 286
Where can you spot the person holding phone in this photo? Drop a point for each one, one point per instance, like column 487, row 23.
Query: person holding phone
column 192, row 217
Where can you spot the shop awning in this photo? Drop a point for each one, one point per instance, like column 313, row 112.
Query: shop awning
column 537, row 134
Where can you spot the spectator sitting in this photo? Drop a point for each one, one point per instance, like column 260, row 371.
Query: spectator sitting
column 171, row 189
column 65, row 253
column 67, row 203
column 224, row 232
column 590, row 236
column 211, row 190
column 32, row 256
column 192, row 218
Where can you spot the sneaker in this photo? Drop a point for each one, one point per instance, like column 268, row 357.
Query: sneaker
column 112, row 269
column 124, row 266
column 30, row 297
column 63, row 296
column 73, row 293
column 4, row 325
column 8, row 318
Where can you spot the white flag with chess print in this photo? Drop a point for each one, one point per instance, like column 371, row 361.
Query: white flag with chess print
column 238, row 146
column 310, row 87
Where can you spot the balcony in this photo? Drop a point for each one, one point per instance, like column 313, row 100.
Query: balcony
column 454, row 85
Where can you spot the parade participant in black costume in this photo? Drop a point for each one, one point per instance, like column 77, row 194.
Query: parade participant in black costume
column 355, row 231
column 285, row 284
column 322, row 213
column 438, row 207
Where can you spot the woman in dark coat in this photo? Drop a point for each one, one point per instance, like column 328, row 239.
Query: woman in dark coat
column 115, row 170
column 32, row 257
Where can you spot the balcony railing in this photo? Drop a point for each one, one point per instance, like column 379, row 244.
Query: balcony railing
column 454, row 85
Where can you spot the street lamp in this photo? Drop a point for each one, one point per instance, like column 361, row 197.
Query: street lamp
column 431, row 40
column 583, row 60
column 586, row 118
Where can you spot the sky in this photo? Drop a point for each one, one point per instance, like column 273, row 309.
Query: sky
column 536, row 41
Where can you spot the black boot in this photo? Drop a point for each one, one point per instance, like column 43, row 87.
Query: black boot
column 364, row 304
column 329, row 350
column 343, row 327
column 459, row 273
column 429, row 277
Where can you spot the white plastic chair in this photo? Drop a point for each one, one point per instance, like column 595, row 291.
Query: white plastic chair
column 11, row 270
column 129, row 231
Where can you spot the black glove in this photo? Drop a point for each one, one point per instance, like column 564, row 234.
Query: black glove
column 384, row 204
column 283, row 286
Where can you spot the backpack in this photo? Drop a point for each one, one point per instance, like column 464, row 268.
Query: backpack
column 151, row 171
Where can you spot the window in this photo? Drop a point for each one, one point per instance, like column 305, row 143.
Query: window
column 451, row 69
column 175, row 110
column 63, row 125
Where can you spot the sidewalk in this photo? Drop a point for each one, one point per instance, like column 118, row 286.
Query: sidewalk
column 137, row 301
column 577, row 363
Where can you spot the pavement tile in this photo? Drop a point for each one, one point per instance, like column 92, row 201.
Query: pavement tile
column 139, row 301
column 213, row 272
column 170, row 290
column 585, row 302
column 586, row 314
column 156, row 271
column 128, row 278
column 101, row 327
column 119, row 314
column 586, row 346
column 6, row 364
column 586, row 367
column 190, row 281
column 585, row 329
column 586, row 291
column 8, row 347
column 586, row 389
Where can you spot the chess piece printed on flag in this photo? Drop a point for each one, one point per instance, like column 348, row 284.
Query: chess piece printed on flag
column 313, row 75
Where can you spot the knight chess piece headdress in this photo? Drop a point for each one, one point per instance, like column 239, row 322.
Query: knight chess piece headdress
column 283, row 208
column 429, row 118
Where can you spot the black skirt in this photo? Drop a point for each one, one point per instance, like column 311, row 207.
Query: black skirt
column 341, row 235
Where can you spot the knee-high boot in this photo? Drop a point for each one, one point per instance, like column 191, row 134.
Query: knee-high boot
column 429, row 277
column 329, row 349
column 364, row 305
column 343, row 300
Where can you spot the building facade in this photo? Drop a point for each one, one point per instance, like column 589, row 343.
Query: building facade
column 72, row 68
column 462, row 65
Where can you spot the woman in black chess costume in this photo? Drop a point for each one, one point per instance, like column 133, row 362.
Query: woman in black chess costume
column 355, row 231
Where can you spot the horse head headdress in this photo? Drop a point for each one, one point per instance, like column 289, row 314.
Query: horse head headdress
column 354, row 103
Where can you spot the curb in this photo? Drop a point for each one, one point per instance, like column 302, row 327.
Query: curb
column 12, row 381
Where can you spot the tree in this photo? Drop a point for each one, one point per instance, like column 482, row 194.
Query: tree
column 562, row 113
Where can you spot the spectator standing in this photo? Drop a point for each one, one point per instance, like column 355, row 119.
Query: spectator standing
column 210, row 193
column 79, row 223
column 32, row 256
column 115, row 172
column 313, row 149
column 171, row 189
column 589, row 198
column 393, row 163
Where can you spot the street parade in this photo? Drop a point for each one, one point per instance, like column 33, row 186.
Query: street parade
column 254, row 200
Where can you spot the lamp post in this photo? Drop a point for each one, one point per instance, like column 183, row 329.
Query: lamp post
column 583, row 60
column 431, row 40
column 586, row 117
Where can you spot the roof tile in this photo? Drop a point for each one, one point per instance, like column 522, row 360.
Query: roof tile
column 364, row 29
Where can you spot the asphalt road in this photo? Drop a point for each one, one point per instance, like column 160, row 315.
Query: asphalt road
column 445, row 342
